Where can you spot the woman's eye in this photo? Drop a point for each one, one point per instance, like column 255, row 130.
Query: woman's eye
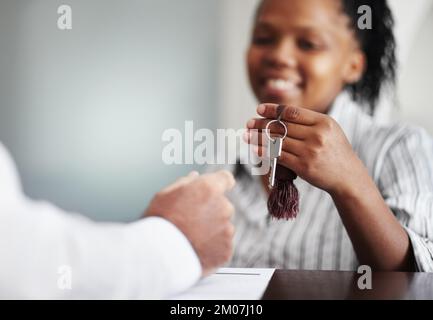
column 262, row 40
column 308, row 45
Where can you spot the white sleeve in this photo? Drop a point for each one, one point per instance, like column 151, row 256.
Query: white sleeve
column 10, row 186
column 49, row 254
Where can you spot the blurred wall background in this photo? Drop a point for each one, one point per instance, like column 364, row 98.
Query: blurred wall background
column 83, row 111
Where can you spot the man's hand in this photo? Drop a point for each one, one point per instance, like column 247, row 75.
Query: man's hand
column 198, row 206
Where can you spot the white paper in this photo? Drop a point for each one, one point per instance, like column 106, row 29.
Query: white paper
column 230, row 284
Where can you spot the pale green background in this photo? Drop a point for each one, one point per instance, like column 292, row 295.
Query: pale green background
column 83, row 111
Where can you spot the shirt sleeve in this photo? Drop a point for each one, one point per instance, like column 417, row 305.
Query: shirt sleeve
column 406, row 183
column 10, row 185
column 46, row 253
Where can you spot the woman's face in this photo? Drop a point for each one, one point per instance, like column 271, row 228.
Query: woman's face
column 302, row 53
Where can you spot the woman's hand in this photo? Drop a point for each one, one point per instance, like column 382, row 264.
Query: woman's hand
column 315, row 148
column 319, row 152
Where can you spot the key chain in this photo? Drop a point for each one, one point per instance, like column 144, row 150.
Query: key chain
column 283, row 202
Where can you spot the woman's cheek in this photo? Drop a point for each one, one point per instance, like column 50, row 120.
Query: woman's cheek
column 253, row 63
column 323, row 82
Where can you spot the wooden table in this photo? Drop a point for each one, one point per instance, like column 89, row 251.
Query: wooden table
column 342, row 285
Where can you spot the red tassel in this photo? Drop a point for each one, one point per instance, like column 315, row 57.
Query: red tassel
column 283, row 202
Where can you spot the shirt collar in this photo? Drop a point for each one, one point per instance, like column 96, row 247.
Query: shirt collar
column 349, row 115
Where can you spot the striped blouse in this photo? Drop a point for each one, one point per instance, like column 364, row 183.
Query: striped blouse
column 399, row 159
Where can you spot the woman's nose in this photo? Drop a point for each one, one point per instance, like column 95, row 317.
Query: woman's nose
column 282, row 55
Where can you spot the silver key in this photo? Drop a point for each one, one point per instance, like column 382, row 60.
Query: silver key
column 275, row 148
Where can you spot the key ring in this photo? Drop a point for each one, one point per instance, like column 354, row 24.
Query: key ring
column 280, row 113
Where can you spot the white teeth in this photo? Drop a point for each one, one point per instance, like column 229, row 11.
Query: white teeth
column 281, row 84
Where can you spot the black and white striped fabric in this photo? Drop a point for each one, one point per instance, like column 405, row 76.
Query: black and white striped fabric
column 399, row 159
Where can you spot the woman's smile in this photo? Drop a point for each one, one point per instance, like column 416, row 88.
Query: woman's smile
column 279, row 88
column 302, row 53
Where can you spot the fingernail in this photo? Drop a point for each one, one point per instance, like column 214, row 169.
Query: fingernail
column 261, row 109
column 194, row 174
column 251, row 124
column 246, row 136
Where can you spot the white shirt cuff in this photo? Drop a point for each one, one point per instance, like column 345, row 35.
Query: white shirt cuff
column 175, row 257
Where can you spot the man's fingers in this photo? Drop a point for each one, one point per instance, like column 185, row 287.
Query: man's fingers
column 193, row 174
column 182, row 181
column 223, row 180
column 290, row 114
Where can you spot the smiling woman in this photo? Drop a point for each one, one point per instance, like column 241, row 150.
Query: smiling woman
column 304, row 54
column 365, row 189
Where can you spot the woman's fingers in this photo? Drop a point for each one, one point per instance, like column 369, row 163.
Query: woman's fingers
column 293, row 146
column 294, row 130
column 255, row 137
column 290, row 114
column 287, row 159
